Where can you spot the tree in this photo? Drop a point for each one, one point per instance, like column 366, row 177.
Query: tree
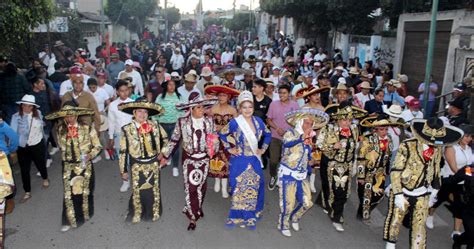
column 394, row 8
column 187, row 24
column 208, row 21
column 172, row 15
column 17, row 20
column 240, row 21
column 320, row 16
column 130, row 13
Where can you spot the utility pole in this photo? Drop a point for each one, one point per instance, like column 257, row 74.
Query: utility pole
column 102, row 24
column 286, row 24
column 429, row 58
column 166, row 20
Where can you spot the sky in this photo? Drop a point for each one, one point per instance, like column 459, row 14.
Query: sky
column 190, row 5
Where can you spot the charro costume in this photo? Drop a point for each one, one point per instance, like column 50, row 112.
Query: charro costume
column 140, row 146
column 199, row 143
column 415, row 175
column 77, row 141
column 295, row 193
column 6, row 188
column 336, row 164
column 373, row 164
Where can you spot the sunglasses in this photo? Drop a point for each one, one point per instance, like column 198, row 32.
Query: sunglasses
column 159, row 71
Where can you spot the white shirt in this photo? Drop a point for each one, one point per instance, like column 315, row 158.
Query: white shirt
column 275, row 79
column 362, row 98
column 226, row 57
column 408, row 115
column 308, row 56
column 201, row 82
column 66, row 86
column 277, row 61
column 394, row 133
column 108, row 89
column 319, row 57
column 177, row 61
column 117, row 119
column 28, row 136
column 100, row 96
column 463, row 157
column 136, row 81
column 249, row 52
column 46, row 58
column 185, row 93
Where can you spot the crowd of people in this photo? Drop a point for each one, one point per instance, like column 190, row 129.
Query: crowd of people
column 212, row 108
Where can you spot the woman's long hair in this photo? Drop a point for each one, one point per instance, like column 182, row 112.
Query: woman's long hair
column 35, row 111
column 165, row 89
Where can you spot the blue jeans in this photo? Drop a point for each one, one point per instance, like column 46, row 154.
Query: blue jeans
column 169, row 128
column 429, row 109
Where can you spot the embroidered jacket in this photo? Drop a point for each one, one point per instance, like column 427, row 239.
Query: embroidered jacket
column 411, row 171
column 139, row 145
column 330, row 135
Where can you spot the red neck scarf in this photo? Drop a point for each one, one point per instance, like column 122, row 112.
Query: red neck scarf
column 144, row 128
column 345, row 132
column 383, row 144
column 72, row 131
column 428, row 153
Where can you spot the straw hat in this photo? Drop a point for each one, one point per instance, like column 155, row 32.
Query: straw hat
column 152, row 108
column 394, row 111
column 320, row 118
column 379, row 121
column 308, row 91
column 28, row 100
column 340, row 87
column 394, row 83
column 206, row 71
column 365, row 85
column 354, row 70
column 190, row 78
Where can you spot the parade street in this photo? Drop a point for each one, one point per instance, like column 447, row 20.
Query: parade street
column 36, row 224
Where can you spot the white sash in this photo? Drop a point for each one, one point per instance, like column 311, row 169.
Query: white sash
column 250, row 136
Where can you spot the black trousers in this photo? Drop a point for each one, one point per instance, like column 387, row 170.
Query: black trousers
column 467, row 238
column 28, row 154
column 323, row 196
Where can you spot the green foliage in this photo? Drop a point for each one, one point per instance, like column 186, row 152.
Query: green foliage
column 240, row 21
column 394, row 8
column 18, row 18
column 130, row 13
column 208, row 21
column 186, row 24
column 172, row 15
column 320, row 16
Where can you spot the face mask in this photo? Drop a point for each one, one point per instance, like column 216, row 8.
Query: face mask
column 393, row 119
column 414, row 113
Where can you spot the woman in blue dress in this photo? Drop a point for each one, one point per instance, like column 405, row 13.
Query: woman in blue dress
column 240, row 138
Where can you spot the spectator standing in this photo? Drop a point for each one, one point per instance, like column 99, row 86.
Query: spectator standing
column 13, row 87
column 114, row 68
column 136, row 77
column 277, row 122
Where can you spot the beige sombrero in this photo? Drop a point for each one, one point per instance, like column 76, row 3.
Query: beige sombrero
column 320, row 118
column 69, row 110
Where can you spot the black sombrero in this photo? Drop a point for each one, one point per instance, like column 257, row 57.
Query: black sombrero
column 152, row 108
column 434, row 132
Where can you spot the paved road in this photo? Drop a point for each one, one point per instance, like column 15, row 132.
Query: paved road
column 36, row 223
